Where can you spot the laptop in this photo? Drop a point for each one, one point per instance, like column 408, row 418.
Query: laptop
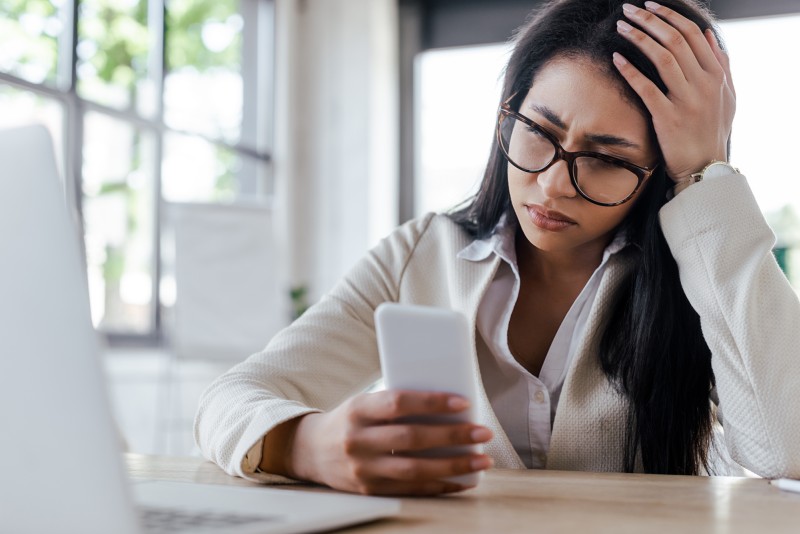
column 61, row 468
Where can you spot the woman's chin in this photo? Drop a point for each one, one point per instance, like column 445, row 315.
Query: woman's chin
column 546, row 240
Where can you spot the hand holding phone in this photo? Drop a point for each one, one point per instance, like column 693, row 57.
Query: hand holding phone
column 420, row 436
column 428, row 349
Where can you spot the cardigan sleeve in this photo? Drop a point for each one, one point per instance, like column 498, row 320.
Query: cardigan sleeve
column 750, row 317
column 324, row 357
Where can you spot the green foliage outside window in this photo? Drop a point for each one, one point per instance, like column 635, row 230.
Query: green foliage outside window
column 185, row 22
column 115, row 40
column 114, row 57
column 20, row 21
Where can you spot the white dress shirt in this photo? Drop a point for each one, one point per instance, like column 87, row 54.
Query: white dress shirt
column 525, row 404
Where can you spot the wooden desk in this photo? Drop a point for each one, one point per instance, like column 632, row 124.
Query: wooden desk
column 558, row 501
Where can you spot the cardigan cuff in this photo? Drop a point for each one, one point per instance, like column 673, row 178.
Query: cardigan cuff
column 248, row 465
column 694, row 212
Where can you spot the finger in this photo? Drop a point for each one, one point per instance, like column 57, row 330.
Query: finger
column 401, row 488
column 721, row 57
column 387, row 438
column 655, row 101
column 385, row 406
column 667, row 40
column 665, row 62
column 695, row 38
column 412, row 469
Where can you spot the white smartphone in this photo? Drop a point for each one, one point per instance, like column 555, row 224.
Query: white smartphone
column 428, row 349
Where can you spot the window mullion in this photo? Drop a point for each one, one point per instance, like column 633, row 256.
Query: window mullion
column 156, row 21
column 265, row 87
column 67, row 42
column 157, row 69
column 248, row 186
column 73, row 125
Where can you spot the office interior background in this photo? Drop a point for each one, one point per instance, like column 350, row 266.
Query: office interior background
column 228, row 160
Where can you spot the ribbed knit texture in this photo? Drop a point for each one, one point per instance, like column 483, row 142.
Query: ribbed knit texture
column 750, row 318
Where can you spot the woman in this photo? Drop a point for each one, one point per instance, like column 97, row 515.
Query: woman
column 613, row 327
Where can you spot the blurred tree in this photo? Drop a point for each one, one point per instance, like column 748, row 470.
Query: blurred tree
column 186, row 22
column 115, row 39
column 113, row 47
column 203, row 36
column 29, row 32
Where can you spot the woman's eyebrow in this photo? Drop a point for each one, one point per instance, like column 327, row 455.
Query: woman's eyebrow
column 613, row 140
column 548, row 114
column 599, row 139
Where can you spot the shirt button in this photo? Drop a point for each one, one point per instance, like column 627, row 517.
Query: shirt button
column 539, row 396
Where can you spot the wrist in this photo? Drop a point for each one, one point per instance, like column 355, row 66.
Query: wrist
column 680, row 185
column 286, row 447
column 300, row 452
column 713, row 169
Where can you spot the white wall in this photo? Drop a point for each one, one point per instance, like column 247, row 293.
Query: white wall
column 336, row 133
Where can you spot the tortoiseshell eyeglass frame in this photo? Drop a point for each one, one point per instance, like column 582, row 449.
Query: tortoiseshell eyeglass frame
column 506, row 111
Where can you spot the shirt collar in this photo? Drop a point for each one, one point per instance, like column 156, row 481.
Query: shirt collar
column 501, row 239
column 619, row 242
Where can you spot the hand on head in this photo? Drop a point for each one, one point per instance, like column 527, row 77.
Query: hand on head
column 693, row 122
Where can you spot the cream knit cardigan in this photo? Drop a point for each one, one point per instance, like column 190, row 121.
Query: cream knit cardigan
column 750, row 318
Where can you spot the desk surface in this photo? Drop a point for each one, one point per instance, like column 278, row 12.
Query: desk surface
column 558, row 501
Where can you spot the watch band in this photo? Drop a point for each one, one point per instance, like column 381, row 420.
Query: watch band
column 695, row 177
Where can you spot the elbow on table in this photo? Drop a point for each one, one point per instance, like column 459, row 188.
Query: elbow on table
column 780, row 463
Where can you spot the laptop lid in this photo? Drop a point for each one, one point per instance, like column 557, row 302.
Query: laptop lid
column 55, row 418
column 60, row 463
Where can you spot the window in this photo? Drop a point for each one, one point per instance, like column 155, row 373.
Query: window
column 149, row 102
column 766, row 121
column 455, row 127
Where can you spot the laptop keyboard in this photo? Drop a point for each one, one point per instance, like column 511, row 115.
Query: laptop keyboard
column 166, row 520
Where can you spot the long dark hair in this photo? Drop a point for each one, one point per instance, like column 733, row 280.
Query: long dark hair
column 652, row 348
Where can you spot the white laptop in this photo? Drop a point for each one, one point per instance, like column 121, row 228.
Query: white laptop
column 61, row 469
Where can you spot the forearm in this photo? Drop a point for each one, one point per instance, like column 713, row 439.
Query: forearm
column 324, row 357
column 750, row 317
column 312, row 366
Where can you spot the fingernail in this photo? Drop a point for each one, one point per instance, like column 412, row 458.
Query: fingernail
column 629, row 8
column 619, row 60
column 623, row 26
column 480, row 434
column 457, row 403
column 484, row 462
column 652, row 6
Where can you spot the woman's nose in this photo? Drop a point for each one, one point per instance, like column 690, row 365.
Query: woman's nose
column 555, row 181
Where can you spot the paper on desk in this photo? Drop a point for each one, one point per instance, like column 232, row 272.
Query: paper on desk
column 787, row 484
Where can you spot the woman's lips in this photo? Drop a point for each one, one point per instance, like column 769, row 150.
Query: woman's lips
column 548, row 219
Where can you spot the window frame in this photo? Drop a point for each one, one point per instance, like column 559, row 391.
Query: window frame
column 257, row 71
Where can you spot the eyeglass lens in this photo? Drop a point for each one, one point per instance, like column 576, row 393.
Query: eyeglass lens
column 529, row 148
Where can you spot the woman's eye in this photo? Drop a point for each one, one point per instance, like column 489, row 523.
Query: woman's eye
column 615, row 163
column 601, row 164
column 535, row 131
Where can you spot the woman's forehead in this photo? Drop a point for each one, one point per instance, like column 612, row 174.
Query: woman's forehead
column 580, row 92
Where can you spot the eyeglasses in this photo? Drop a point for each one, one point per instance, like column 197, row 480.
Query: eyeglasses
column 599, row 178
